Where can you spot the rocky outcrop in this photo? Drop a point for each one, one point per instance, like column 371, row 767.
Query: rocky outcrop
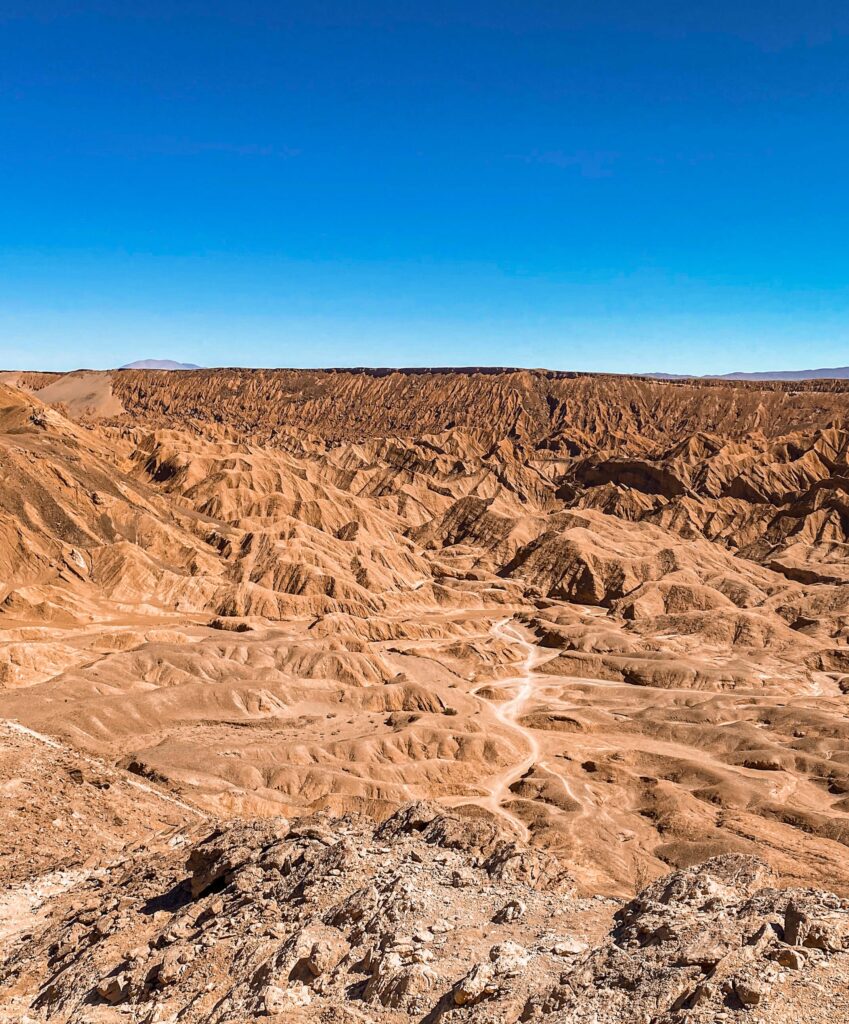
column 334, row 916
column 703, row 942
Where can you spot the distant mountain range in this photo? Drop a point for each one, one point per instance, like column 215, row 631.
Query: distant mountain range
column 159, row 364
column 834, row 372
column 840, row 372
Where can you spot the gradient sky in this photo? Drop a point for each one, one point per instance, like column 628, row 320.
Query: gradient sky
column 599, row 185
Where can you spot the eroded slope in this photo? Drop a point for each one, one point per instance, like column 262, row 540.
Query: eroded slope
column 610, row 614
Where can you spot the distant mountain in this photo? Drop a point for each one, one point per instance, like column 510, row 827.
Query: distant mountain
column 824, row 373
column 838, row 372
column 159, row 364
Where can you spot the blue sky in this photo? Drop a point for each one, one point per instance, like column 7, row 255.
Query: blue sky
column 599, row 185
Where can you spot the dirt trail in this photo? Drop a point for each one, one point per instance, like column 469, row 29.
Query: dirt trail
column 508, row 714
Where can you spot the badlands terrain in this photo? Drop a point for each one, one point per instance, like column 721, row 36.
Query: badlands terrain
column 380, row 695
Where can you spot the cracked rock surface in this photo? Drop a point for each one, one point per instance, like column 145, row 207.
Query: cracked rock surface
column 339, row 919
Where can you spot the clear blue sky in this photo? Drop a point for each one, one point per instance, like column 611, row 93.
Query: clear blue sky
column 592, row 185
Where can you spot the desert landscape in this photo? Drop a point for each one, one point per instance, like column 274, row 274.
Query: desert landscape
column 441, row 695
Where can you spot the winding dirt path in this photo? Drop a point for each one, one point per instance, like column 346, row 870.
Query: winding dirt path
column 494, row 793
column 508, row 714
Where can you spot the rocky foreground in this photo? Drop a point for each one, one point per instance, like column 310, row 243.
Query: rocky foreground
column 429, row 916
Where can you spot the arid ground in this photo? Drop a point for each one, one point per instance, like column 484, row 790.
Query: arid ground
column 603, row 619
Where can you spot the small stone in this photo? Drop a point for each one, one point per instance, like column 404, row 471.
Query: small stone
column 114, row 990
column 749, row 993
column 278, row 1000
column 569, row 946
column 478, row 984
column 790, row 958
column 512, row 911
column 509, row 958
